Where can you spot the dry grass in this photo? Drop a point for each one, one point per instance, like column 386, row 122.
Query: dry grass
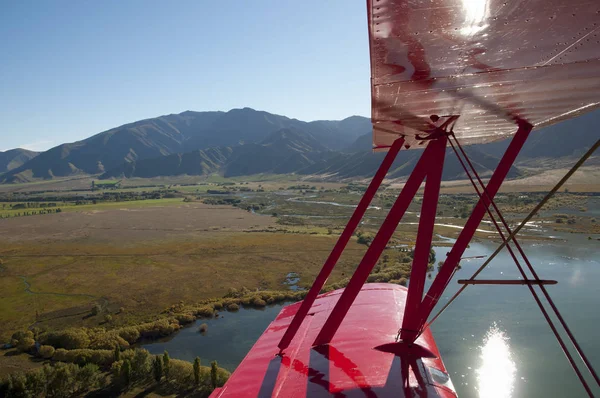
column 145, row 260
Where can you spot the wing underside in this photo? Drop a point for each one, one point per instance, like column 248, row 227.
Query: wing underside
column 489, row 62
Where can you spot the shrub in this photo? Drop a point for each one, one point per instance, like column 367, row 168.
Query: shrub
column 46, row 351
column 365, row 239
column 206, row 311
column 108, row 318
column 22, row 334
column 158, row 328
column 96, row 309
column 203, row 328
column 26, row 344
column 102, row 358
column 233, row 307
column 185, row 319
column 107, row 340
column 129, row 334
column 258, row 302
column 69, row 339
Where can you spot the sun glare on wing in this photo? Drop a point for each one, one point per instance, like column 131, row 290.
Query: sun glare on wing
column 476, row 12
column 496, row 375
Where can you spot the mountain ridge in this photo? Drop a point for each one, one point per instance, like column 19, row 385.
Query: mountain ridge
column 172, row 134
column 245, row 141
column 14, row 158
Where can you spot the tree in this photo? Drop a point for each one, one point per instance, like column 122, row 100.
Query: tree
column 213, row 373
column 166, row 364
column 17, row 385
column 140, row 364
column 197, row 371
column 117, row 353
column 36, row 382
column 157, row 368
column 126, row 373
column 87, row 377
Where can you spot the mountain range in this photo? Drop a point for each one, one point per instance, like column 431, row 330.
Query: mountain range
column 245, row 142
column 15, row 158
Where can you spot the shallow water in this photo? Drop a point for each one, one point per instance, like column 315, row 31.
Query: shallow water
column 493, row 339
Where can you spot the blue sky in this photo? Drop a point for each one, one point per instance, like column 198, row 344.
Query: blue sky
column 71, row 69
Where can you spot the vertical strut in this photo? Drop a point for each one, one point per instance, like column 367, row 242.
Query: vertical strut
column 410, row 323
column 378, row 244
column 341, row 244
column 446, row 272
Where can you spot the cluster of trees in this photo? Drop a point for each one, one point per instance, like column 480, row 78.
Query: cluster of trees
column 28, row 205
column 234, row 202
column 32, row 213
column 301, row 187
column 59, row 380
column 222, row 201
column 125, row 370
column 354, row 187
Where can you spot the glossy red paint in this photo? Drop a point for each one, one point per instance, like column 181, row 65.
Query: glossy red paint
column 447, row 270
column 340, row 245
column 487, row 61
column 429, row 161
column 418, row 274
column 351, row 364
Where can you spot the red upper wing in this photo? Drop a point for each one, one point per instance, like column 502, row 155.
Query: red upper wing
column 489, row 61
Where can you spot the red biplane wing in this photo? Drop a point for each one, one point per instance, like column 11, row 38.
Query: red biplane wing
column 488, row 61
column 478, row 68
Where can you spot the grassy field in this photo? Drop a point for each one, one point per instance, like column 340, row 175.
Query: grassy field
column 71, row 207
column 144, row 258
column 137, row 258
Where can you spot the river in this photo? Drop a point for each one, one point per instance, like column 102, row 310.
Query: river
column 493, row 339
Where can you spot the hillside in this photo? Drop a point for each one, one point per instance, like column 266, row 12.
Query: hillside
column 555, row 144
column 245, row 142
column 284, row 151
column 175, row 134
column 15, row 158
column 292, row 151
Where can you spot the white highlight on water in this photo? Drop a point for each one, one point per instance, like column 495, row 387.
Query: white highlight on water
column 496, row 375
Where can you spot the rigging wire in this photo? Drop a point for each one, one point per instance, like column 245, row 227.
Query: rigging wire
column 532, row 270
column 506, row 241
column 533, row 212
column 531, row 289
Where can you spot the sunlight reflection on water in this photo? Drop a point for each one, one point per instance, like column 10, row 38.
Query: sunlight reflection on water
column 496, row 374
